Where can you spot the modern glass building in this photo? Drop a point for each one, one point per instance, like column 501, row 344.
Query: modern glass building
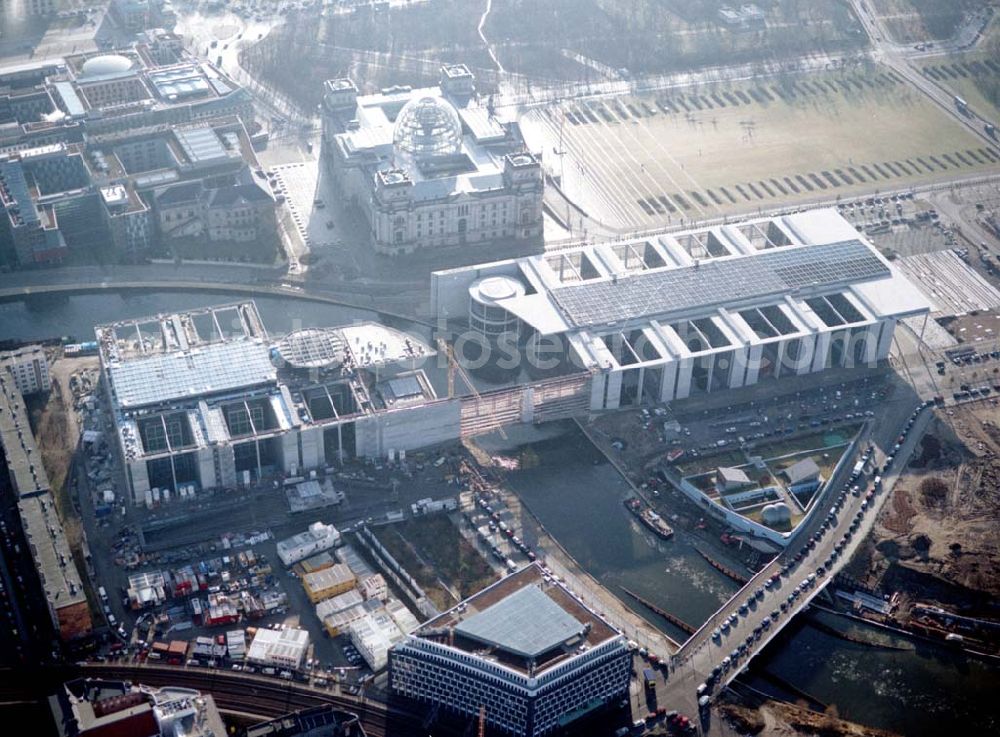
column 525, row 649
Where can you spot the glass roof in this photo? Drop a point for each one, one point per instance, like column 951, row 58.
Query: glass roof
column 722, row 281
column 527, row 623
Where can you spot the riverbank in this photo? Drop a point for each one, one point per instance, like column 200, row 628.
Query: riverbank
column 934, row 549
column 563, row 564
column 913, row 687
column 779, row 719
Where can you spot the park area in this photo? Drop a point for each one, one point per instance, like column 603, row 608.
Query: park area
column 432, row 550
column 710, row 151
column 972, row 75
column 537, row 42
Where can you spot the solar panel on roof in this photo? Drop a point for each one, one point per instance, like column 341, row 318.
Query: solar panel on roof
column 659, row 293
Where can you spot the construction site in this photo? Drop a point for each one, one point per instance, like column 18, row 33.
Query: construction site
column 933, row 555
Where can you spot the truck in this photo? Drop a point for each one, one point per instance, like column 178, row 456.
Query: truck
column 858, row 469
column 962, row 105
column 649, row 679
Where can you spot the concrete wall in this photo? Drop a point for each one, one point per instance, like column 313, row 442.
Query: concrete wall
column 734, row 519
column 408, row 429
column 310, row 447
column 140, row 480
column 290, row 453
column 227, row 466
column 206, row 468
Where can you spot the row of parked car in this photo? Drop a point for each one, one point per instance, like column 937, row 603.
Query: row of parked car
column 808, row 582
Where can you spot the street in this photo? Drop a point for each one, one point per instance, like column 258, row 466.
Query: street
column 798, row 581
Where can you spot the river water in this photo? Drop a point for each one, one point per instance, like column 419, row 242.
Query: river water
column 925, row 690
column 51, row 316
column 578, row 496
column 919, row 691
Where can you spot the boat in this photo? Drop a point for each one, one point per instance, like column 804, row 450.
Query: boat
column 654, row 522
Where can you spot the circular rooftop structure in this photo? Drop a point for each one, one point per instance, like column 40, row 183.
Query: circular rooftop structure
column 492, row 288
column 485, row 314
column 428, row 126
column 100, row 66
column 312, row 348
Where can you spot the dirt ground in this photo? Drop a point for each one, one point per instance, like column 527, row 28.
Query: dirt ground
column 57, row 431
column 936, row 538
column 775, row 719
column 438, row 557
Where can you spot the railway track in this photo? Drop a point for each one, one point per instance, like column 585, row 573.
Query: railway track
column 263, row 697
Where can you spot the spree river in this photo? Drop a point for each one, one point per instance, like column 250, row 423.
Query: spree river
column 917, row 691
column 53, row 316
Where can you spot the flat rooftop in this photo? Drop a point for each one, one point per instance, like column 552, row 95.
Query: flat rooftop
column 39, row 519
column 523, row 621
column 169, row 357
column 210, row 369
column 527, row 623
column 28, row 477
column 766, row 261
column 675, row 291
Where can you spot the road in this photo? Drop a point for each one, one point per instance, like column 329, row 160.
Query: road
column 700, row 654
column 892, row 55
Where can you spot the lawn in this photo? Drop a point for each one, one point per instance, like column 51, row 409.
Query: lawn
column 701, row 152
column 708, row 463
column 911, row 21
column 969, row 76
column 802, row 443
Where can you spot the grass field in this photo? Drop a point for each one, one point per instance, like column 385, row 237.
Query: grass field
column 699, row 153
column 968, row 76
column 546, row 41
column 911, row 21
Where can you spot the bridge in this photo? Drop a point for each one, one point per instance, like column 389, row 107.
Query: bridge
column 797, row 584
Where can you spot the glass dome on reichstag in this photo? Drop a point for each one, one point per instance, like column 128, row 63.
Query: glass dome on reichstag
column 426, row 127
column 105, row 64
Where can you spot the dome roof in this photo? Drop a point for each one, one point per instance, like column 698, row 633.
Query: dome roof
column 428, row 126
column 100, row 66
column 312, row 348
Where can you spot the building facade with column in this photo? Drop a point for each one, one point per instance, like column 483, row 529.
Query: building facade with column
column 667, row 317
column 432, row 167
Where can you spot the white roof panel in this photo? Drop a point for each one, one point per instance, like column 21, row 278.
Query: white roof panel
column 207, row 369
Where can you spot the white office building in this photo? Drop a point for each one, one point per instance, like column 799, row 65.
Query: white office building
column 28, row 367
column 280, row 648
column 667, row 317
column 316, row 539
column 205, row 399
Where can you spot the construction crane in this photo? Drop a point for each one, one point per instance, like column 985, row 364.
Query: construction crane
column 453, row 366
column 482, row 720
